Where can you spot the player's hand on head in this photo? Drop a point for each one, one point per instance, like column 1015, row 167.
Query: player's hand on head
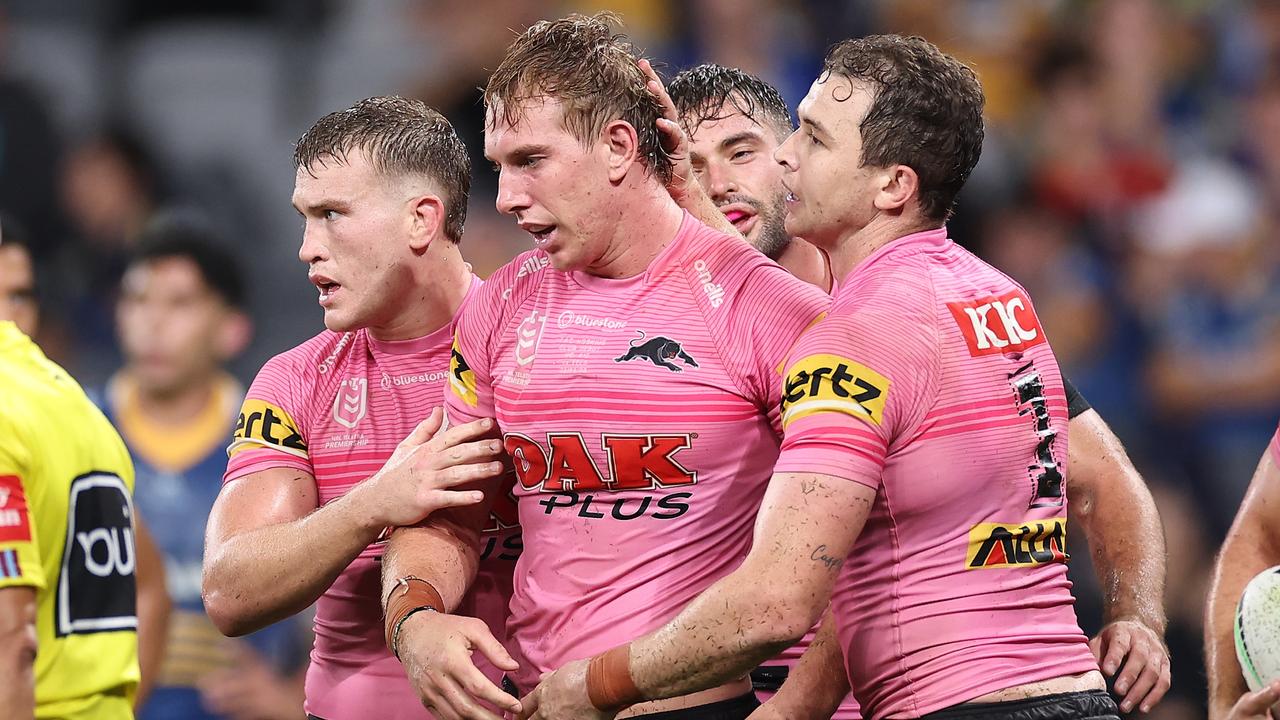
column 426, row 467
column 1135, row 656
column 435, row 650
column 1259, row 705
column 672, row 136
column 562, row 695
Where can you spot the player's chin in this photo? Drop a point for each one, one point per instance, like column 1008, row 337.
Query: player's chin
column 336, row 320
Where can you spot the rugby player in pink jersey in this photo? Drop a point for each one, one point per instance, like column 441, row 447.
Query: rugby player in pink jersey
column 733, row 122
column 315, row 473
column 924, row 417
column 1252, row 545
column 632, row 360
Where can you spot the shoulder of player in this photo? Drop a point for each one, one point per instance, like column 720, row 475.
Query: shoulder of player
column 313, row 358
column 514, row 280
column 721, row 267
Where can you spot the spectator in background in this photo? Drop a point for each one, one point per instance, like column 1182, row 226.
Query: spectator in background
column 181, row 319
column 30, row 150
column 17, row 278
column 110, row 188
column 1208, row 287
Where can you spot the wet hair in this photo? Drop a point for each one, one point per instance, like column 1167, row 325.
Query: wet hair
column 400, row 137
column 711, row 92
column 582, row 63
column 926, row 112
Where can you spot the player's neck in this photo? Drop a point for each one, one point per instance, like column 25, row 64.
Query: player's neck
column 440, row 285
column 805, row 261
column 859, row 244
column 646, row 225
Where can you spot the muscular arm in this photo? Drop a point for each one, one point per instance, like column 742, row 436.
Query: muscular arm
column 1252, row 545
column 818, row 683
column 269, row 553
column 18, row 651
column 153, row 609
column 1110, row 503
column 806, row 527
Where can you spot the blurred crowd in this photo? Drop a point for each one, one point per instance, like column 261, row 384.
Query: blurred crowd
column 1130, row 180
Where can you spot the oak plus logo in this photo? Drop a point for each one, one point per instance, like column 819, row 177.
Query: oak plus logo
column 96, row 587
column 998, row 324
column 352, row 402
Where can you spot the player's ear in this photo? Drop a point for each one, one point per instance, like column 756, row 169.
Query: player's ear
column 426, row 221
column 898, row 184
column 234, row 335
column 624, row 148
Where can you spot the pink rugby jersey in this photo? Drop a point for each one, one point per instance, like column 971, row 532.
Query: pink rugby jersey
column 642, row 418
column 932, row 382
column 336, row 406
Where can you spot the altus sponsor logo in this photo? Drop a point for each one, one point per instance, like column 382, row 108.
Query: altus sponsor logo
column 1006, row 545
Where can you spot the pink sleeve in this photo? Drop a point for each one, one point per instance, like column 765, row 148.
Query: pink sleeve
column 858, row 382
column 269, row 432
column 769, row 313
column 470, row 394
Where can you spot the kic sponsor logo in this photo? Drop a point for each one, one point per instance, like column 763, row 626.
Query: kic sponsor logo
column 262, row 424
column 658, row 350
column 830, row 383
column 1004, row 545
column 15, row 522
column 715, row 293
column 998, row 324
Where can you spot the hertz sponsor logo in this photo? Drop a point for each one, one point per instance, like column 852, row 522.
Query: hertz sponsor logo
column 1003, row 545
column 462, row 379
column 262, row 424
column 830, row 383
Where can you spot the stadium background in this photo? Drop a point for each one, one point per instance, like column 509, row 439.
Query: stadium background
column 1130, row 179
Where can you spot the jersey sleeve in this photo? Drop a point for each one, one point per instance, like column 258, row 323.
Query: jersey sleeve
column 857, row 383
column 765, row 321
column 269, row 432
column 470, row 394
column 19, row 541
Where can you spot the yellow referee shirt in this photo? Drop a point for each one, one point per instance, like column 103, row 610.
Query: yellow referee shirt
column 66, row 529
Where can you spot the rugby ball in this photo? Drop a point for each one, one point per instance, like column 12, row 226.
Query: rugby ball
column 1257, row 629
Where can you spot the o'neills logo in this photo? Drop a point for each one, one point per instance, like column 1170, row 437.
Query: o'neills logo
column 1003, row 545
column 991, row 325
column 715, row 293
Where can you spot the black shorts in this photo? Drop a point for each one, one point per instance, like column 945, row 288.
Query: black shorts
column 732, row 709
column 1090, row 705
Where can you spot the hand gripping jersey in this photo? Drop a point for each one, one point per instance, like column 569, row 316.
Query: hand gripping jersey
column 641, row 415
column 66, row 529
column 336, row 407
column 931, row 381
